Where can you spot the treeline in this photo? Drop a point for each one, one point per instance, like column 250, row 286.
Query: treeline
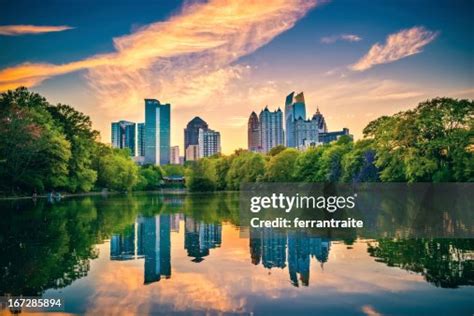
column 431, row 143
column 46, row 147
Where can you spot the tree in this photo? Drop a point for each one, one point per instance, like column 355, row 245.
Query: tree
column 247, row 167
column 34, row 154
column 358, row 165
column 115, row 169
column 430, row 143
column 150, row 177
column 281, row 167
column 77, row 129
column 201, row 175
column 330, row 169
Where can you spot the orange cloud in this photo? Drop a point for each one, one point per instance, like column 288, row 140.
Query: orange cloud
column 15, row 30
column 184, row 59
column 397, row 46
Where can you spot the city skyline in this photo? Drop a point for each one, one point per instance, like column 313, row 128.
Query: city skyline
column 375, row 59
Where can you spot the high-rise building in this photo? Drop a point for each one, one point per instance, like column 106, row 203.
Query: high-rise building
column 328, row 137
column 157, row 132
column 271, row 129
column 295, row 108
column 123, row 135
column 192, row 152
column 191, row 132
column 253, row 130
column 141, row 139
column 307, row 131
column 174, row 155
column 209, row 142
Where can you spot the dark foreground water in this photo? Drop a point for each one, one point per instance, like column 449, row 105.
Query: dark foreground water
column 180, row 254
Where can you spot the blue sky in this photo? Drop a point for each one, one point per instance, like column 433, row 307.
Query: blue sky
column 271, row 59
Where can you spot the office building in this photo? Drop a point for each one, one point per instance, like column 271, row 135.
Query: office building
column 307, row 132
column 174, row 155
column 271, row 129
column 253, row 133
column 123, row 135
column 191, row 132
column 141, row 139
column 192, row 153
column 209, row 142
column 295, row 109
column 328, row 137
column 157, row 132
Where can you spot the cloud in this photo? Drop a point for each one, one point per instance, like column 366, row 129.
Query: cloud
column 343, row 37
column 15, row 30
column 184, row 59
column 399, row 45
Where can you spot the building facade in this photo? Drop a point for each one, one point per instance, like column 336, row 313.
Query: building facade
column 174, row 155
column 157, row 132
column 191, row 132
column 328, row 137
column 141, row 139
column 192, row 153
column 295, row 109
column 123, row 136
column 209, row 142
column 271, row 129
column 253, row 133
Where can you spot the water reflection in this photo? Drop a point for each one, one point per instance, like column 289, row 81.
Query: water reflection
column 194, row 242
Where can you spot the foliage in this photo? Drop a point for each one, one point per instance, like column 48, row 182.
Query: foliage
column 115, row 169
column 34, row 154
column 149, row 178
column 201, row 175
column 281, row 167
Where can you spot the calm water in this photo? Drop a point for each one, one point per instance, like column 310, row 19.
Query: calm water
column 180, row 254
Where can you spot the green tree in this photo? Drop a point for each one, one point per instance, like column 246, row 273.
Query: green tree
column 358, row 165
column 247, row 167
column 34, row 154
column 201, row 175
column 77, row 129
column 115, row 169
column 150, row 177
column 281, row 167
column 433, row 142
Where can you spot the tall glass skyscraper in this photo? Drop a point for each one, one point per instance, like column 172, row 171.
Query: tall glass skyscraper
column 295, row 108
column 123, row 135
column 157, row 132
column 141, row 139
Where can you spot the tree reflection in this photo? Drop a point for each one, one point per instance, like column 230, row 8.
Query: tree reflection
column 447, row 263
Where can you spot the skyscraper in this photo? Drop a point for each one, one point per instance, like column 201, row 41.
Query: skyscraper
column 174, row 155
column 271, row 129
column 209, row 142
column 192, row 152
column 157, row 132
column 295, row 108
column 253, row 131
column 191, row 132
column 123, row 135
column 141, row 139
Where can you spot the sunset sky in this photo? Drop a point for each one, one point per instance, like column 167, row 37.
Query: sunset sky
column 220, row 60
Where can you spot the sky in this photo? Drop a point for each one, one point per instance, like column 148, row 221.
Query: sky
column 222, row 59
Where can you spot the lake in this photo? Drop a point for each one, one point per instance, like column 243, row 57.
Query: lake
column 177, row 254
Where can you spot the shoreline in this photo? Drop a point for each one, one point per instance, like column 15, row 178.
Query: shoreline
column 68, row 195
